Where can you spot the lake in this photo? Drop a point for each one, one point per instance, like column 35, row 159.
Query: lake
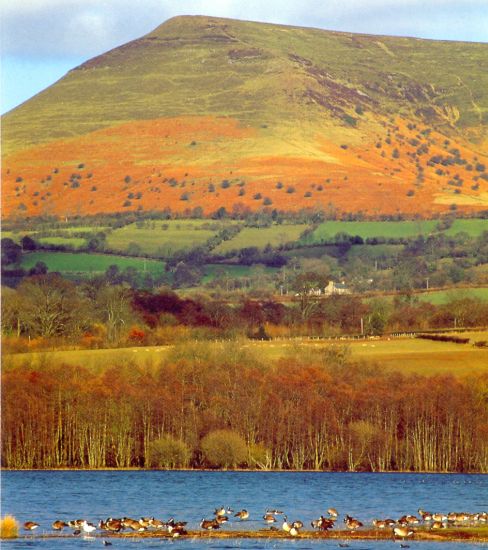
column 44, row 496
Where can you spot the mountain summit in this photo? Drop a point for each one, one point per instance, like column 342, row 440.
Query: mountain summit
column 206, row 112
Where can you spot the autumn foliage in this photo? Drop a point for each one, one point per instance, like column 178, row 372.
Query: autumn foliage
column 308, row 410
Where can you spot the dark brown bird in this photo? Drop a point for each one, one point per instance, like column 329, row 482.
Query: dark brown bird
column 30, row 525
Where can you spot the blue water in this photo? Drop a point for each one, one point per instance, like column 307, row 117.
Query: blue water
column 190, row 496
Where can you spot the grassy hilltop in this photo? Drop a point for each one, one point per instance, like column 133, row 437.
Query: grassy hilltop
column 208, row 112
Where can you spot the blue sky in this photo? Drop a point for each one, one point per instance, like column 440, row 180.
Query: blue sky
column 42, row 39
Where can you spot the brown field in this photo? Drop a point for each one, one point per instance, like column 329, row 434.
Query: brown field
column 408, row 355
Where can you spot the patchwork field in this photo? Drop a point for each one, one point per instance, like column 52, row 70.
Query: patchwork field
column 276, row 235
column 89, row 264
column 162, row 237
column 394, row 230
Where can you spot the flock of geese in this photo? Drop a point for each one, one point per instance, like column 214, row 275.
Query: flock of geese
column 402, row 528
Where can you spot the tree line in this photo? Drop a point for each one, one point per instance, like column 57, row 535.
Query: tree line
column 52, row 311
column 221, row 405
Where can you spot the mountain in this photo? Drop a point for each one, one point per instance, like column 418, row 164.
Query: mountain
column 208, row 112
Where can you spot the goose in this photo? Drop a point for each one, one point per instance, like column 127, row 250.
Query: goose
column 220, row 511
column 75, row 523
column 242, row 515
column 293, row 531
column 426, row 516
column 285, row 525
column 113, row 525
column 332, row 512
column 30, row 525
column 59, row 525
column 379, row 523
column 175, row 524
column 145, row 522
column 274, row 511
column 439, row 517
column 132, row 524
column 352, row 523
column 438, row 525
column 177, row 530
column 402, row 532
column 221, row 519
column 107, row 543
column 322, row 523
column 412, row 520
column 156, row 523
column 269, row 518
column 209, row 524
column 297, row 524
column 317, row 523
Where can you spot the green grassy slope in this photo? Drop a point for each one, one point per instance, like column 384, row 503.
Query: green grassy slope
column 261, row 74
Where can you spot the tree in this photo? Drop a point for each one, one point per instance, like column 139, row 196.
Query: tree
column 52, row 306
column 186, row 275
column 224, row 449
column 114, row 310
column 168, row 452
column 11, row 252
column 28, row 243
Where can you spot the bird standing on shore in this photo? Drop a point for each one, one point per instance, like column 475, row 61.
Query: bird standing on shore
column 30, row 525
column 402, row 532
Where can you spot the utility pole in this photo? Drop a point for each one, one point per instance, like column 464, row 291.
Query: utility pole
column 362, row 326
column 427, row 283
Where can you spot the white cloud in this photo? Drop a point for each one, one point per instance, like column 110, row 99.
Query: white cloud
column 90, row 27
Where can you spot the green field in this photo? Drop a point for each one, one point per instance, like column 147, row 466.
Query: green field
column 393, row 230
column 368, row 230
column 162, row 237
column 409, row 355
column 75, row 242
column 474, row 228
column 275, row 235
column 234, row 271
column 438, row 297
column 91, row 264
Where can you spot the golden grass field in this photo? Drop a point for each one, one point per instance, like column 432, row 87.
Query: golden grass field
column 408, row 355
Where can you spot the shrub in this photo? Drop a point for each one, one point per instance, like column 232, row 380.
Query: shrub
column 267, row 201
column 9, row 528
column 257, row 196
column 168, row 452
column 185, row 197
column 290, row 189
column 224, row 449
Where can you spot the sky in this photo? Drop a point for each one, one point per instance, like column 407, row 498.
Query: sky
column 41, row 40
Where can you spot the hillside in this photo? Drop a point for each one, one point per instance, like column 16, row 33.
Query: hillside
column 206, row 112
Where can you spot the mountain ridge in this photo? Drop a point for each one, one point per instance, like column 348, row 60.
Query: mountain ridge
column 373, row 113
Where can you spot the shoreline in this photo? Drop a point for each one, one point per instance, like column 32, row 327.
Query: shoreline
column 446, row 535
column 240, row 470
